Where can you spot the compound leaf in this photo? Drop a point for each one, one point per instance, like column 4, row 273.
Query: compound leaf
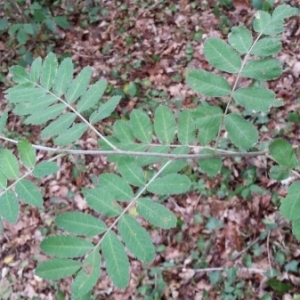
column 63, row 77
column 29, row 193
column 92, row 96
column 264, row 69
column 170, row 184
column 136, row 238
column 79, row 85
column 186, row 128
column 255, row 98
column 164, row 124
column 27, row 153
column 207, row 84
column 9, row 207
column 49, row 70
column 106, row 109
column 80, row 223
column 9, row 164
column 240, row 39
column 155, row 213
column 141, row 126
column 64, row 246
column 241, row 132
column 283, row 153
column 86, row 279
column 116, row 260
column 62, row 123
column 57, row 268
column 117, row 186
column 102, row 201
column 71, row 135
column 221, row 56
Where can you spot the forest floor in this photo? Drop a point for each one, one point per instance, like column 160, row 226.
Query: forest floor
column 144, row 52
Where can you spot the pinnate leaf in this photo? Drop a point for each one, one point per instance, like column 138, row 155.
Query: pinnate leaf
column 155, row 213
column 164, row 124
column 102, row 201
column 240, row 39
column 117, row 186
column 241, row 132
column 64, row 246
column 170, row 184
column 116, row 260
column 86, row 279
column 27, row 153
column 207, row 84
column 29, row 193
column 136, row 238
column 221, row 56
column 57, row 268
column 9, row 207
column 283, row 153
column 80, row 223
column 9, row 164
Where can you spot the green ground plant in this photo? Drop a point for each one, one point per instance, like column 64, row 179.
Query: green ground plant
column 165, row 144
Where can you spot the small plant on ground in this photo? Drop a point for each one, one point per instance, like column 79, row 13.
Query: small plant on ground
column 149, row 153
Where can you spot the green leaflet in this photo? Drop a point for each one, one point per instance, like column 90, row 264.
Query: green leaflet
column 27, row 153
column 91, row 97
column 71, row 135
column 255, row 98
column 9, row 164
column 19, row 74
column 207, row 84
column 3, row 181
column 116, row 260
column 210, row 166
column 186, row 128
column 29, row 193
column 3, row 120
column 221, row 56
column 283, row 153
column 9, row 207
column 45, row 168
column 56, row 127
column 63, row 77
column 240, row 39
column 105, row 109
column 131, row 171
column 241, row 132
column 102, row 201
column 290, row 205
column 35, row 70
column 136, row 238
column 45, row 115
column 170, row 184
column 64, row 246
column 26, row 94
column 266, row 47
column 49, row 69
column 57, row 268
column 79, row 85
column 87, row 278
column 155, row 213
column 141, row 126
column 122, row 131
column 80, row 223
column 177, row 164
column 145, row 161
column 164, row 124
column 117, row 186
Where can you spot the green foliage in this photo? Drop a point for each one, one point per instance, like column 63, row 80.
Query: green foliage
column 49, row 96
